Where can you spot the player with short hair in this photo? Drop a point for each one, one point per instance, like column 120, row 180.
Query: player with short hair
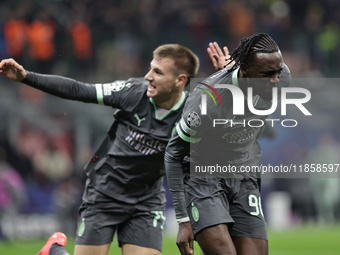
column 223, row 214
column 124, row 186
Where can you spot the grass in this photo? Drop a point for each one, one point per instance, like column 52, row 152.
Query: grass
column 308, row 240
column 298, row 241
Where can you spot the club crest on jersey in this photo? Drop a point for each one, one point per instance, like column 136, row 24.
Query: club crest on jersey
column 194, row 119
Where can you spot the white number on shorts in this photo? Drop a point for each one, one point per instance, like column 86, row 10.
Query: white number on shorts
column 255, row 203
column 159, row 216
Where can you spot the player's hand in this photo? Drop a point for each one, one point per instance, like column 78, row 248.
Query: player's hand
column 12, row 70
column 185, row 239
column 219, row 58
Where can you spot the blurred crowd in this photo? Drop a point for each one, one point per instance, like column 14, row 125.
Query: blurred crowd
column 45, row 142
column 116, row 38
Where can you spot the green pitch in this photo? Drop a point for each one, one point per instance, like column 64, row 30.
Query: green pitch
column 297, row 241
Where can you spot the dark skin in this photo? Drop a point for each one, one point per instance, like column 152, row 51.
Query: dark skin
column 216, row 240
column 264, row 74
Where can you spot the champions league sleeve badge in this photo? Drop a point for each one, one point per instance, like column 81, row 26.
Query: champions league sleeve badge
column 193, row 119
column 115, row 86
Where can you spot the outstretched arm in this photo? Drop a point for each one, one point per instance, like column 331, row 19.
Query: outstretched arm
column 219, row 58
column 53, row 84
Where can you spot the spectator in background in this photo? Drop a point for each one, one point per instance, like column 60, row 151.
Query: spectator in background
column 54, row 162
column 41, row 34
column 12, row 192
column 81, row 35
column 326, row 191
column 240, row 19
column 81, row 38
column 15, row 34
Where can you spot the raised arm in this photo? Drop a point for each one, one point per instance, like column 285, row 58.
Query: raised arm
column 219, row 58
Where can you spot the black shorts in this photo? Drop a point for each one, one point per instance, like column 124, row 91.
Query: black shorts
column 140, row 224
column 233, row 201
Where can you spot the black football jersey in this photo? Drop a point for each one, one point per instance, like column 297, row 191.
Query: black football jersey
column 129, row 164
column 214, row 136
column 136, row 142
column 221, row 137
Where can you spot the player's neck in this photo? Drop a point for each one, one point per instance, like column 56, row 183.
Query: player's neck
column 242, row 81
column 168, row 103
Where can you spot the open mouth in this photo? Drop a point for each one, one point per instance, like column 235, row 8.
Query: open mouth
column 151, row 87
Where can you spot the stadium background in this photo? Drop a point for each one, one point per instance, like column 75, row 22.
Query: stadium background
column 46, row 141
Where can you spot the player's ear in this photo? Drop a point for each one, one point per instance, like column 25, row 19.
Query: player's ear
column 181, row 80
column 244, row 69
